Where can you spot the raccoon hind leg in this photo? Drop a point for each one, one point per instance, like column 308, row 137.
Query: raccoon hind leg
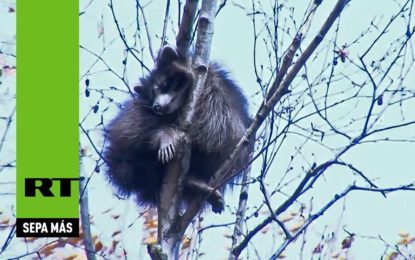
column 215, row 198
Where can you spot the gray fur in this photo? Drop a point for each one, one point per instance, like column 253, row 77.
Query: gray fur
column 143, row 137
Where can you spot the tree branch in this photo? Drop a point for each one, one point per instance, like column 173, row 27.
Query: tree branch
column 86, row 226
column 184, row 36
column 279, row 92
column 313, row 217
column 171, row 227
column 240, row 213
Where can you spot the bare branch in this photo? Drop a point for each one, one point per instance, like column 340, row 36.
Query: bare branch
column 312, row 218
column 184, row 36
column 150, row 45
column 122, row 36
column 166, row 19
column 171, row 227
column 282, row 88
column 85, row 218
column 240, row 214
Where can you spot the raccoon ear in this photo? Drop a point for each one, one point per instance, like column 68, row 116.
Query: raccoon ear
column 139, row 87
column 167, row 55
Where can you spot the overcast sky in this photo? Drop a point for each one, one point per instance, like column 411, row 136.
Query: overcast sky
column 391, row 163
column 366, row 214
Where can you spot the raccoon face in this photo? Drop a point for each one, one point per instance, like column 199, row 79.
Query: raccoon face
column 167, row 87
column 169, row 94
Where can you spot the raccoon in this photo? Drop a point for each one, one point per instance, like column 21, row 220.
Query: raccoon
column 143, row 137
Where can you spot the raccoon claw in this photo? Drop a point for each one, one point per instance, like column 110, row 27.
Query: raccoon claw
column 166, row 153
column 168, row 141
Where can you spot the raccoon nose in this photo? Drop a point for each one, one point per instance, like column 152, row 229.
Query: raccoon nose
column 157, row 107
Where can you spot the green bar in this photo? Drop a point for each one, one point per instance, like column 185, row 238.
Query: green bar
column 47, row 104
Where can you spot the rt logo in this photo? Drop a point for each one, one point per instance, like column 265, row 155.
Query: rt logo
column 44, row 185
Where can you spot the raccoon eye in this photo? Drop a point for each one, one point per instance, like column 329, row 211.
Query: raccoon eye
column 177, row 81
column 165, row 86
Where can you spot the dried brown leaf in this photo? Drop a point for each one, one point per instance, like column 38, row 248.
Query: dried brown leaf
column 152, row 223
column 286, row 218
column 335, row 254
column 296, row 226
column 71, row 257
column 404, row 234
column 186, row 242
column 98, row 246
column 347, row 242
column 5, row 221
column 318, row 249
column 403, row 241
column 48, row 250
column 150, row 240
column 392, row 256
column 265, row 229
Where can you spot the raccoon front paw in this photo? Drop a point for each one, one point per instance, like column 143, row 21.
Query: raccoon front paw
column 169, row 139
column 166, row 150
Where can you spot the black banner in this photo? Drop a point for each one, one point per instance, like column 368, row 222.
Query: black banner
column 47, row 227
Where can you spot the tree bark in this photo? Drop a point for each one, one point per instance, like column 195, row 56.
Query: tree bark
column 240, row 213
column 85, row 223
column 170, row 232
